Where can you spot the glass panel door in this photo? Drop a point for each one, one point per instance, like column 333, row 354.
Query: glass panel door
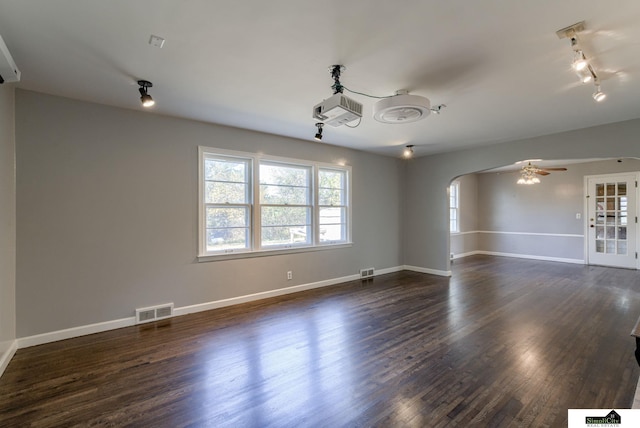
column 611, row 203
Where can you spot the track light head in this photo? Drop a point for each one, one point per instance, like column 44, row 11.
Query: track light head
column 598, row 95
column 579, row 61
column 318, row 136
column 408, row 151
column 145, row 98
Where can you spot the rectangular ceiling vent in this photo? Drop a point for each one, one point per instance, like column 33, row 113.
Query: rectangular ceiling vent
column 367, row 273
column 8, row 70
column 154, row 313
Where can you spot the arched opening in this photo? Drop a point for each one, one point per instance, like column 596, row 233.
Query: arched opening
column 544, row 221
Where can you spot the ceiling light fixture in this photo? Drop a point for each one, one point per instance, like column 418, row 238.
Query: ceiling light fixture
column 145, row 98
column 408, row 151
column 318, row 136
column 579, row 61
column 581, row 65
column 598, row 95
column 401, row 108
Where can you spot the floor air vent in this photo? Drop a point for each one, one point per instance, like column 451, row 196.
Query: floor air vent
column 154, row 313
column 366, row 273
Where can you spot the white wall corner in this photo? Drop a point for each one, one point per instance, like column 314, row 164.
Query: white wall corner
column 7, row 355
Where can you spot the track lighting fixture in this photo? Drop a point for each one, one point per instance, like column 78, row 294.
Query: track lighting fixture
column 579, row 61
column 408, row 151
column 581, row 65
column 598, row 95
column 318, row 136
column 145, row 98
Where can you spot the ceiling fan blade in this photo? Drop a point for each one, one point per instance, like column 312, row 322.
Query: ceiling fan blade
column 541, row 172
column 553, row 169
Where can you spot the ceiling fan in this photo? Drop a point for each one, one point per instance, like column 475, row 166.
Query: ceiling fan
column 534, row 169
column 529, row 172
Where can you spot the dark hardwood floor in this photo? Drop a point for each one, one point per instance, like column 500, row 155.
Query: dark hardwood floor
column 504, row 342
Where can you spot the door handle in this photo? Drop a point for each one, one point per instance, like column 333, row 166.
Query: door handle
column 592, row 226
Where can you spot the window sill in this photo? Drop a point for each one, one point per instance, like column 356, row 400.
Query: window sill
column 267, row 253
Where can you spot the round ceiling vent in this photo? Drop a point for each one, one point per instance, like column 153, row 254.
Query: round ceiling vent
column 401, row 108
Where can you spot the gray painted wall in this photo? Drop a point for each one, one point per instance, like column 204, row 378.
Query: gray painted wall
column 426, row 237
column 549, row 207
column 505, row 212
column 7, row 220
column 107, row 214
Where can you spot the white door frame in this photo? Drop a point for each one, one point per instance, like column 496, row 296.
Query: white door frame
column 586, row 211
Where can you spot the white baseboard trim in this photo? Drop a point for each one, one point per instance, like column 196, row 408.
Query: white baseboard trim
column 427, row 270
column 69, row 333
column 531, row 257
column 470, row 253
column 262, row 295
column 6, row 357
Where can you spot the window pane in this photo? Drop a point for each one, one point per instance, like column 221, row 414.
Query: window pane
column 284, row 175
column 227, row 239
column 330, row 179
column 284, row 184
column 271, row 194
column 333, row 224
column 622, row 189
column 330, row 197
column 223, row 193
column 283, row 235
column 226, row 170
column 221, row 217
column 286, row 216
column 333, row 233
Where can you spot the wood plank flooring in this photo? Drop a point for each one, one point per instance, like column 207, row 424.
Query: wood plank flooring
column 504, row 342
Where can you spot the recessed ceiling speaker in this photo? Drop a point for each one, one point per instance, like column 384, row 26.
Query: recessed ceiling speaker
column 401, row 108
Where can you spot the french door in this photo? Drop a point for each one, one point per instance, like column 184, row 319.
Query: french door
column 612, row 221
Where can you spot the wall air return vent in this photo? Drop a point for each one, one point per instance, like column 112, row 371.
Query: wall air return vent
column 154, row 313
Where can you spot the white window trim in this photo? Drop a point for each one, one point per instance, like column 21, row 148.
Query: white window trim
column 255, row 250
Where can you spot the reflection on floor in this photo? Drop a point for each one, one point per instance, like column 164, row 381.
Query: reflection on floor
column 504, row 342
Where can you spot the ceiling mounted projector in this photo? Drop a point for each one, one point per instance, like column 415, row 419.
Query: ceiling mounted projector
column 8, row 70
column 337, row 110
column 401, row 108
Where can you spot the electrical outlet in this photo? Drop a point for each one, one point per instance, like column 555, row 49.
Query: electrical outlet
column 289, row 275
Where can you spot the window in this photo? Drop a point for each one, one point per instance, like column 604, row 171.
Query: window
column 251, row 203
column 285, row 205
column 332, row 205
column 227, row 203
column 454, row 205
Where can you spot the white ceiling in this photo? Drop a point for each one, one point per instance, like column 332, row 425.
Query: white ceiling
column 263, row 65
